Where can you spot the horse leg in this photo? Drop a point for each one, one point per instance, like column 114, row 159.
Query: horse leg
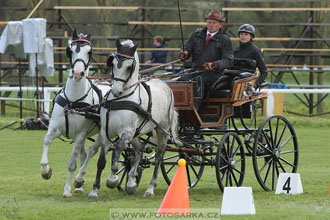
column 162, row 140
column 72, row 166
column 131, row 186
column 46, row 171
column 100, row 167
column 79, row 181
column 82, row 157
column 112, row 180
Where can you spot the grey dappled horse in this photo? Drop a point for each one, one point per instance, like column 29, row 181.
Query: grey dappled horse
column 78, row 93
column 132, row 109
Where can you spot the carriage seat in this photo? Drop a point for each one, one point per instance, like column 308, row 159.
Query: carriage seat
column 223, row 87
column 242, row 69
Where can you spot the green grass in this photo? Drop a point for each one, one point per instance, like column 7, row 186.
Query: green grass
column 20, row 181
column 21, row 184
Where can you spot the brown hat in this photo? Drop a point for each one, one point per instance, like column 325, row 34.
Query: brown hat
column 215, row 15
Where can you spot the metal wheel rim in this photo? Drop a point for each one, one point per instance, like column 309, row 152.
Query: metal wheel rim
column 275, row 150
column 230, row 149
column 192, row 174
column 125, row 168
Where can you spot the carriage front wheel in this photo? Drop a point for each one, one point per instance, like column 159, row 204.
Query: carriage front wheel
column 194, row 166
column 275, row 150
column 230, row 161
column 125, row 160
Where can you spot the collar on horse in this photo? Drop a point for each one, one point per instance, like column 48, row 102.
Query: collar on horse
column 87, row 109
column 114, row 104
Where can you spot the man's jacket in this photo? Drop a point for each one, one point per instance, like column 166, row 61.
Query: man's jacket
column 218, row 50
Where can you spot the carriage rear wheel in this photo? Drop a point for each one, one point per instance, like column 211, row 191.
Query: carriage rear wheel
column 230, row 161
column 124, row 168
column 194, row 166
column 275, row 150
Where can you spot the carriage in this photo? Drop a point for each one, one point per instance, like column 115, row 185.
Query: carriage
column 137, row 116
column 221, row 134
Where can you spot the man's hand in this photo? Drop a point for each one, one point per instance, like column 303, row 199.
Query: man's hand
column 208, row 66
column 183, row 55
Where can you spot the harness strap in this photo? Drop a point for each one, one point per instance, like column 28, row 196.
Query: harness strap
column 131, row 106
column 96, row 89
column 145, row 121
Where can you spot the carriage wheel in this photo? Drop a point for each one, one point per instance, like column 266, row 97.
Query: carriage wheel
column 240, row 121
column 125, row 167
column 230, row 161
column 194, row 166
column 249, row 122
column 275, row 150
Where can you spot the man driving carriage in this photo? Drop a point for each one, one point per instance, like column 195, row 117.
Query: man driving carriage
column 211, row 51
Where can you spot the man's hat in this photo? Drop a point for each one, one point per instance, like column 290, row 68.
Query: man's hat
column 215, row 15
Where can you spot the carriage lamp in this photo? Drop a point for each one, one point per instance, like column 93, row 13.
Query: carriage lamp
column 248, row 90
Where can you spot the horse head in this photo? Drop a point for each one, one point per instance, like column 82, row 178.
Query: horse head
column 79, row 52
column 124, row 64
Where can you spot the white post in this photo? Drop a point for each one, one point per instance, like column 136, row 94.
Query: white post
column 270, row 104
column 46, row 97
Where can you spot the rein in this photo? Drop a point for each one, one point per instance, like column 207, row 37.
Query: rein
column 157, row 67
column 162, row 76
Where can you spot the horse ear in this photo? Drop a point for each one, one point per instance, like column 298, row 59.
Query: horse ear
column 133, row 49
column 68, row 52
column 118, row 44
column 89, row 35
column 110, row 60
column 75, row 35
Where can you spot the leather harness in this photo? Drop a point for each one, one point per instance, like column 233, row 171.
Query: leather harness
column 81, row 108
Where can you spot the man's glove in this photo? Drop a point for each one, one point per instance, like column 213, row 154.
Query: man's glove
column 183, row 55
column 208, row 66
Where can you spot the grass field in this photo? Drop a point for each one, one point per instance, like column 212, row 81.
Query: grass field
column 22, row 187
column 31, row 197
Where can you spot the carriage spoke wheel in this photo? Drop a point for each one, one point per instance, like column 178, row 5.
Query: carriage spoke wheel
column 230, row 161
column 124, row 168
column 194, row 166
column 275, row 151
column 249, row 122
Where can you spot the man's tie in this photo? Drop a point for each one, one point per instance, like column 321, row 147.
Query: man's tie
column 207, row 39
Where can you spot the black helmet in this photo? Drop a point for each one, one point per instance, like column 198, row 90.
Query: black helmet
column 248, row 28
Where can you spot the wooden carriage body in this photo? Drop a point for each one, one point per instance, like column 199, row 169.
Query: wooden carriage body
column 213, row 111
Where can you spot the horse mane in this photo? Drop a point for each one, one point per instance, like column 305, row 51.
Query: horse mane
column 130, row 43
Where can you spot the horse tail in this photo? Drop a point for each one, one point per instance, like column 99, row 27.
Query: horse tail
column 174, row 129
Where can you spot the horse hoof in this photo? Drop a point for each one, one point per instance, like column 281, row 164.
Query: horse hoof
column 48, row 175
column 131, row 190
column 67, row 195
column 148, row 194
column 79, row 190
column 111, row 184
column 93, row 195
column 78, row 184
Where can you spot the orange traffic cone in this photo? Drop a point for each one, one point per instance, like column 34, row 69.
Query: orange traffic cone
column 329, row 185
column 176, row 200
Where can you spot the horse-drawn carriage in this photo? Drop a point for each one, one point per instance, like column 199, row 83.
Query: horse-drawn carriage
column 137, row 117
column 221, row 133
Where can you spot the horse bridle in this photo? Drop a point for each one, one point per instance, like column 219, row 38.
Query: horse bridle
column 121, row 58
column 69, row 54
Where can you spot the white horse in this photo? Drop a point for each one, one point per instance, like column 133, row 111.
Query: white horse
column 132, row 109
column 68, row 118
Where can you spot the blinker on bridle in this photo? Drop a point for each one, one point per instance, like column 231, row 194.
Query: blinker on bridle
column 78, row 41
column 120, row 57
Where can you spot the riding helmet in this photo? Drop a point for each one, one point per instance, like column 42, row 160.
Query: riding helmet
column 248, row 28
